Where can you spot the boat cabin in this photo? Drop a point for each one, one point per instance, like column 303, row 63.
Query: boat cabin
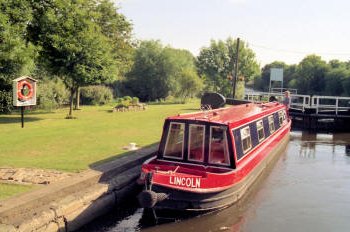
column 219, row 138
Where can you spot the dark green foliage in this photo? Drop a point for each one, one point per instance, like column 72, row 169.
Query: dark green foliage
column 126, row 101
column 189, row 85
column 73, row 46
column 6, row 105
column 148, row 78
column 75, row 42
column 81, row 41
column 157, row 72
column 52, row 94
column 311, row 76
column 118, row 30
column 96, row 95
column 16, row 54
column 333, row 81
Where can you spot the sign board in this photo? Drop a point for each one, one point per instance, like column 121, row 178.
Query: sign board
column 276, row 74
column 24, row 91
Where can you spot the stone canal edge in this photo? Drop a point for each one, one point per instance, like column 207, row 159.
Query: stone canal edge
column 69, row 204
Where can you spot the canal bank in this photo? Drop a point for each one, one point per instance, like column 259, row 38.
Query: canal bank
column 71, row 203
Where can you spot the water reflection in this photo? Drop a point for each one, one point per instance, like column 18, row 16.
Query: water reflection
column 307, row 189
column 308, row 143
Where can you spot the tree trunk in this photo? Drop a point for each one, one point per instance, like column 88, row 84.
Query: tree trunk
column 70, row 114
column 77, row 99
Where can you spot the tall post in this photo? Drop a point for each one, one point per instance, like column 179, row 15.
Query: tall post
column 235, row 69
column 22, row 116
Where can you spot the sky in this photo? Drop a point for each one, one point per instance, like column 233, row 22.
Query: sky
column 284, row 30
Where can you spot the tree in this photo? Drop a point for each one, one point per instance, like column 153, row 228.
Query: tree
column 334, row 79
column 180, row 66
column 215, row 64
column 72, row 44
column 148, row 79
column 311, row 75
column 16, row 54
column 159, row 71
column 118, row 30
column 189, row 84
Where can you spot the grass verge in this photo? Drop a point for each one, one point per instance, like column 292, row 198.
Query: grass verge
column 50, row 141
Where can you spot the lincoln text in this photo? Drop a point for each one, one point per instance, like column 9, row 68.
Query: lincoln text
column 185, row 181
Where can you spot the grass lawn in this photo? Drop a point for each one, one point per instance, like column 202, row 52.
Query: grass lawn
column 49, row 141
column 7, row 190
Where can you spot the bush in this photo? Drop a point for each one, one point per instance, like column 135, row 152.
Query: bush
column 135, row 100
column 126, row 101
column 51, row 94
column 6, row 102
column 96, row 95
column 127, row 98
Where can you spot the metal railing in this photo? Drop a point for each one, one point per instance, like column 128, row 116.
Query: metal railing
column 299, row 102
column 330, row 104
column 319, row 104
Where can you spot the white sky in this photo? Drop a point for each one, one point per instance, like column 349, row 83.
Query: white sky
column 275, row 29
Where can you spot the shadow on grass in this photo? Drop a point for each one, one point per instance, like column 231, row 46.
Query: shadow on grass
column 32, row 111
column 107, row 111
column 96, row 165
column 192, row 109
column 6, row 120
column 164, row 103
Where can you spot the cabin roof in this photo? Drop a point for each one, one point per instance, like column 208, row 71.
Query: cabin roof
column 231, row 114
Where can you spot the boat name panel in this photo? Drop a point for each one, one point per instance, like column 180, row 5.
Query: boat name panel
column 189, row 182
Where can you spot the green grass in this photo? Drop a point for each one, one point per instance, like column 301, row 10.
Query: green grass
column 50, row 141
column 7, row 190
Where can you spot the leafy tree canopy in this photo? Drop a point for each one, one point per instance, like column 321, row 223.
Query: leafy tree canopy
column 118, row 30
column 215, row 63
column 16, row 54
column 159, row 71
column 73, row 46
column 311, row 76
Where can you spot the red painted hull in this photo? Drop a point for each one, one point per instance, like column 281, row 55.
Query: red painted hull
column 196, row 187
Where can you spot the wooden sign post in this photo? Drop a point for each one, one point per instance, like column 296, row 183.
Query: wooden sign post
column 24, row 93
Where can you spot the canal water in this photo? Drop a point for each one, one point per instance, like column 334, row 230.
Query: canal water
column 308, row 189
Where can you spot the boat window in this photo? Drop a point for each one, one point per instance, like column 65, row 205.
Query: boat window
column 218, row 146
column 260, row 129
column 246, row 139
column 271, row 124
column 280, row 117
column 196, row 143
column 175, row 141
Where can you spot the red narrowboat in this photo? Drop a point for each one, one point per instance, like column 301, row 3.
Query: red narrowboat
column 207, row 160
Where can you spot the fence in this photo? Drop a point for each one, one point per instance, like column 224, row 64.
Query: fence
column 315, row 104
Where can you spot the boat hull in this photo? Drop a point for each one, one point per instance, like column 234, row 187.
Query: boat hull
column 180, row 200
